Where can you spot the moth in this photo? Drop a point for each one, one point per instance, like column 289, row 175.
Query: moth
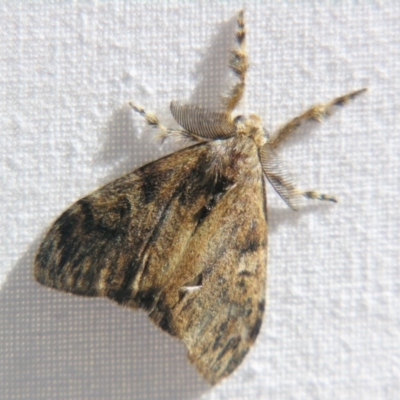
column 185, row 238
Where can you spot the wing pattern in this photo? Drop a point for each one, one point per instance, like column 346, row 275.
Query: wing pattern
column 183, row 243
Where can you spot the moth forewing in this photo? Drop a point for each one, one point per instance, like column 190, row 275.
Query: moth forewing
column 142, row 238
column 185, row 237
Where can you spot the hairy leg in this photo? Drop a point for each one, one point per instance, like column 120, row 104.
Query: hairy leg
column 315, row 113
column 238, row 63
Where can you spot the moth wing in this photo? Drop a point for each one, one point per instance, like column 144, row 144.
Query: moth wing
column 105, row 242
column 187, row 246
column 204, row 123
column 216, row 303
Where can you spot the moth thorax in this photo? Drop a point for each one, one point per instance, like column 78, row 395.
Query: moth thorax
column 254, row 129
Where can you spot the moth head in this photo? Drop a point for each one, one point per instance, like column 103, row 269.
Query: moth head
column 252, row 127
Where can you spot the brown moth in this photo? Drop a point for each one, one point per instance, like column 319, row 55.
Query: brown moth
column 185, row 237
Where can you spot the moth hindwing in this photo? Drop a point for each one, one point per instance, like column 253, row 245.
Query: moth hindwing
column 185, row 237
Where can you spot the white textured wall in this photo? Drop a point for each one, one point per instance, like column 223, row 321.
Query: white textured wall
column 67, row 70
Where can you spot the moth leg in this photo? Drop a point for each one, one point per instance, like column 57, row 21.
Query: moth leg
column 238, row 63
column 290, row 194
column 315, row 113
column 315, row 195
column 154, row 122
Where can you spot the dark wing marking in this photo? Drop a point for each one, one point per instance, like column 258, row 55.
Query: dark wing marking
column 202, row 122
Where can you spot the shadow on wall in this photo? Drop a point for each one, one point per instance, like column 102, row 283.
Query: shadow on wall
column 59, row 346
column 123, row 149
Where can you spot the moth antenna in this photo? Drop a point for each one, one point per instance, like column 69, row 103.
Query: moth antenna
column 238, row 63
column 202, row 124
column 314, row 114
column 282, row 181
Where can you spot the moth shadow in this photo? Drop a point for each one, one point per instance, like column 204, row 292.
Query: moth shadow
column 128, row 143
column 125, row 147
column 59, row 346
column 284, row 216
column 213, row 74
